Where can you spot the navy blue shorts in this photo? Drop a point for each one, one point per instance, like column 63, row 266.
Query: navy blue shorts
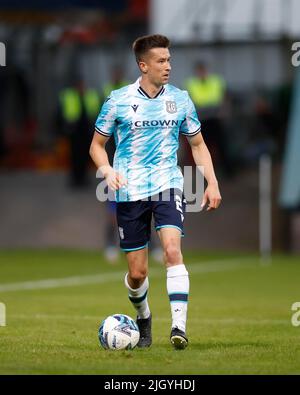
column 134, row 218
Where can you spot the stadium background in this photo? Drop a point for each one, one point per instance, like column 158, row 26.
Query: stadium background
column 43, row 219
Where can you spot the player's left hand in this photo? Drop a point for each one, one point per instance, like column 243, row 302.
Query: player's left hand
column 212, row 196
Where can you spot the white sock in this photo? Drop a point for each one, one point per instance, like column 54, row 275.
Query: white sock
column 178, row 290
column 138, row 298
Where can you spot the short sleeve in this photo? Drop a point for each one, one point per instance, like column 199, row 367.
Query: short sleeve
column 106, row 121
column 191, row 124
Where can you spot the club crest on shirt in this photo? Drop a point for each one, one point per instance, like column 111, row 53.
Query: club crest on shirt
column 171, row 107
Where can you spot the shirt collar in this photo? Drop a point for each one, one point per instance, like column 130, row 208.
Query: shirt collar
column 145, row 94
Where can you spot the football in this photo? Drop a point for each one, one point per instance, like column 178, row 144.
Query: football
column 118, row 332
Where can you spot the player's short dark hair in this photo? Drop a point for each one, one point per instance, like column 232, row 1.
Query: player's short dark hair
column 143, row 44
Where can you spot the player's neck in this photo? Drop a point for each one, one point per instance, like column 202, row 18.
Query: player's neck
column 151, row 89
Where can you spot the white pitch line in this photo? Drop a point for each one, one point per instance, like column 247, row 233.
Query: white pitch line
column 198, row 320
column 194, row 268
column 235, row 321
column 61, row 282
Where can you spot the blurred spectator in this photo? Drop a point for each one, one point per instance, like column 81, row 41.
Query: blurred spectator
column 117, row 81
column 78, row 108
column 283, row 102
column 208, row 92
column 263, row 136
column 17, row 121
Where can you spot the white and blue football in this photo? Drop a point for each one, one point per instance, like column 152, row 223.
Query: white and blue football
column 118, row 332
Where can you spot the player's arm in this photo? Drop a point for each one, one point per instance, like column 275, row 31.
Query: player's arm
column 99, row 155
column 203, row 159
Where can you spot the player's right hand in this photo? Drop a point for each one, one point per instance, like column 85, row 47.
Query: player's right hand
column 114, row 179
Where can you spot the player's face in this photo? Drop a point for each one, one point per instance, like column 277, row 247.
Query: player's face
column 156, row 66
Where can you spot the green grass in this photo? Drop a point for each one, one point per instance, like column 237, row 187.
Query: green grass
column 239, row 317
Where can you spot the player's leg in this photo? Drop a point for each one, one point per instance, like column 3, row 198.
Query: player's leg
column 134, row 219
column 177, row 284
column 137, row 283
column 169, row 224
column 170, row 239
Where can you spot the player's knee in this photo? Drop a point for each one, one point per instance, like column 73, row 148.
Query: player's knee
column 172, row 254
column 136, row 277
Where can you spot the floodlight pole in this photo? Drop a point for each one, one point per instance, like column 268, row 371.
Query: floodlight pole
column 265, row 208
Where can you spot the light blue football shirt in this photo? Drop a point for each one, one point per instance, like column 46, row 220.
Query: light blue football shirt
column 146, row 132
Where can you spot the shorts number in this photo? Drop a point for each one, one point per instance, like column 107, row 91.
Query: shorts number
column 179, row 206
column 178, row 203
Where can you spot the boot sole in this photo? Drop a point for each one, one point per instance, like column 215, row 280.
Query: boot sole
column 179, row 342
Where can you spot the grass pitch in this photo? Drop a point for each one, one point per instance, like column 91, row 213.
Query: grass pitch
column 239, row 315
